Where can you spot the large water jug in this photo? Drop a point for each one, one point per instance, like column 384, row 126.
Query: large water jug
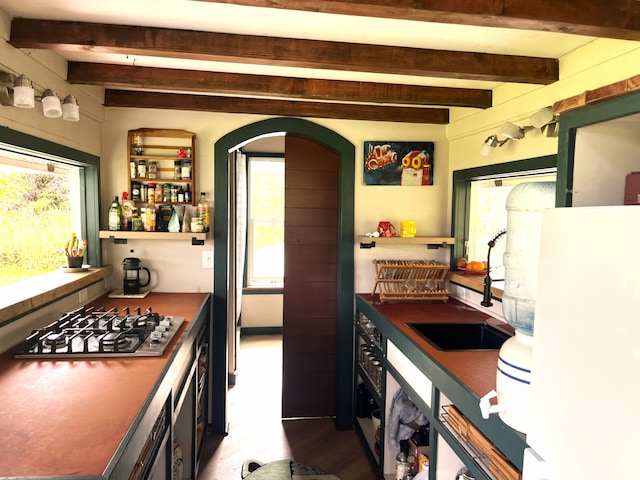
column 524, row 215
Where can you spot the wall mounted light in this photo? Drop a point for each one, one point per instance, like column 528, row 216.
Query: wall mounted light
column 23, row 94
column 490, row 143
column 18, row 92
column 543, row 119
column 70, row 109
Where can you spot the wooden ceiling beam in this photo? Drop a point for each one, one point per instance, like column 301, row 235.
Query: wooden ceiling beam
column 287, row 52
column 297, row 108
column 595, row 18
column 176, row 80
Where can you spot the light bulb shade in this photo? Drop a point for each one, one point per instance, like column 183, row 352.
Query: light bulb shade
column 70, row 109
column 542, row 117
column 511, row 131
column 51, row 104
column 488, row 146
column 23, row 95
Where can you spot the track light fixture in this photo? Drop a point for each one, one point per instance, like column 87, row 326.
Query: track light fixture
column 18, row 92
column 543, row 119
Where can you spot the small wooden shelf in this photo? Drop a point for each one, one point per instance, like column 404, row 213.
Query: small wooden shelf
column 121, row 236
column 371, row 242
column 161, row 146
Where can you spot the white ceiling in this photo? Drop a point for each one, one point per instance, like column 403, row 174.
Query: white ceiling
column 224, row 18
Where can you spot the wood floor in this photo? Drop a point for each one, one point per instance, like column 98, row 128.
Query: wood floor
column 257, row 431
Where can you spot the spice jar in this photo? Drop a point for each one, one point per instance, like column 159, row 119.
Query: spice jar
column 186, row 169
column 142, row 169
column 151, row 193
column 177, row 170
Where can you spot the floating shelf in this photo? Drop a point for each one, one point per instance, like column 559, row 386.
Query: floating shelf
column 431, row 242
column 121, row 236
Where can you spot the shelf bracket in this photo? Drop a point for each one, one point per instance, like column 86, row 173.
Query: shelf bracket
column 435, row 246
column 117, row 241
column 195, row 241
column 371, row 244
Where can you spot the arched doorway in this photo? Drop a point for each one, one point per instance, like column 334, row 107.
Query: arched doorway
column 345, row 288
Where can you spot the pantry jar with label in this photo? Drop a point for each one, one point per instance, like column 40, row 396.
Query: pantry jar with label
column 186, row 169
column 142, row 169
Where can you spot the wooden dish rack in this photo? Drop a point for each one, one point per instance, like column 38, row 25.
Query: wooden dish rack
column 411, row 280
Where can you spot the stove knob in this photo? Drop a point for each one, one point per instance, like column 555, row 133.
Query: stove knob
column 166, row 323
column 161, row 329
column 155, row 336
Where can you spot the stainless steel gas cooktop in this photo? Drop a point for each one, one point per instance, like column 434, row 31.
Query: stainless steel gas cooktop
column 96, row 332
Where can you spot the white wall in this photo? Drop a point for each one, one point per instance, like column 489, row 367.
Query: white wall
column 177, row 266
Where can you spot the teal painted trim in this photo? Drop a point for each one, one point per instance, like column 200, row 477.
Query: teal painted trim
column 570, row 122
column 260, row 331
column 461, row 197
column 345, row 287
column 89, row 188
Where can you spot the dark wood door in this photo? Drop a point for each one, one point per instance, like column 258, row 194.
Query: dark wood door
column 310, row 279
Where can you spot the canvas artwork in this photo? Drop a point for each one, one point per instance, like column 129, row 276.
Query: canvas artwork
column 398, row 163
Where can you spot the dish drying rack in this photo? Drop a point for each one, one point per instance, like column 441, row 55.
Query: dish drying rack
column 411, row 280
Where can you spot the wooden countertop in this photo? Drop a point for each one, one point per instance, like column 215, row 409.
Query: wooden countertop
column 475, row 369
column 67, row 417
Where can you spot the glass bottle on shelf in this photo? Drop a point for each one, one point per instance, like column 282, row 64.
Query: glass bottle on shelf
column 157, row 193
column 115, row 215
column 203, row 212
column 150, row 214
column 187, row 194
column 150, row 193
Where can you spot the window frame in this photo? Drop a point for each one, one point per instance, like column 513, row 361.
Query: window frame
column 89, row 178
column 461, row 188
column 259, row 156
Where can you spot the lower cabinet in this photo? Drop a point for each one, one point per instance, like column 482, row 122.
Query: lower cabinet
column 167, row 441
column 454, row 442
column 187, row 421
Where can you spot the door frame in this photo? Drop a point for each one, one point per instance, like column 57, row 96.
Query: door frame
column 345, row 281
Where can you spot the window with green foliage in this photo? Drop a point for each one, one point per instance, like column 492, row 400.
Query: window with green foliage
column 38, row 211
column 479, row 205
column 47, row 192
column 265, row 232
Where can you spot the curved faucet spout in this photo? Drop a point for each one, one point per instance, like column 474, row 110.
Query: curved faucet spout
column 486, row 298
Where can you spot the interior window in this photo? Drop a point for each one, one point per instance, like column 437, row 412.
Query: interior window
column 488, row 216
column 40, row 207
column 479, row 206
column 265, row 229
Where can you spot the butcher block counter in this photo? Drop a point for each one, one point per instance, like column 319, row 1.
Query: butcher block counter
column 460, row 377
column 78, row 418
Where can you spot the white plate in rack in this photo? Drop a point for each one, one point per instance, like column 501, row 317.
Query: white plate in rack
column 83, row 268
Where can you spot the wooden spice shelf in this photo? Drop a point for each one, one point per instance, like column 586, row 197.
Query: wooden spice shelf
column 411, row 280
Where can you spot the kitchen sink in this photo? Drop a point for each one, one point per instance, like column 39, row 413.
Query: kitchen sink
column 461, row 336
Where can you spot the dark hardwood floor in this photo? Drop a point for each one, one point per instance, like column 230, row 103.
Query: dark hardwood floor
column 257, row 431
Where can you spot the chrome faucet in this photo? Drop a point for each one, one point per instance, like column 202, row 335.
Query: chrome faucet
column 486, row 299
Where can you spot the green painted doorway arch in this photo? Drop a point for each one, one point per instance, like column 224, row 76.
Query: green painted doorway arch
column 345, row 289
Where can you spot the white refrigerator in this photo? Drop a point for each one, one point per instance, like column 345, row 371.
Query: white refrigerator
column 585, row 386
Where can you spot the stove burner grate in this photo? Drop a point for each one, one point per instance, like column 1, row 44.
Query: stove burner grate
column 90, row 331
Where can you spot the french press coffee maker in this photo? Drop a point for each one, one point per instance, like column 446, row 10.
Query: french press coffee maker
column 131, row 276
